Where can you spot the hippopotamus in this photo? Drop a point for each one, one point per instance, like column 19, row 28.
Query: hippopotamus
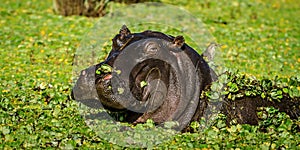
column 148, row 75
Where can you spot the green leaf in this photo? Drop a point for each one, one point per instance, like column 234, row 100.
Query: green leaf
column 143, row 84
column 239, row 95
column 233, row 87
column 98, row 71
column 118, row 71
column 285, row 90
column 229, row 96
column 120, row 90
column 170, row 124
column 5, row 130
column 263, row 95
column 106, row 68
column 214, row 95
column 248, row 93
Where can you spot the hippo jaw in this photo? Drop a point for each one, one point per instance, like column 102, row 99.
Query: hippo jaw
column 105, row 92
column 94, row 91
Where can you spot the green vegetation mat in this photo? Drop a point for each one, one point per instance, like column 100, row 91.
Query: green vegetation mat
column 259, row 38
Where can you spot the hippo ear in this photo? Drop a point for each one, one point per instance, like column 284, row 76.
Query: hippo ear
column 124, row 32
column 120, row 39
column 178, row 41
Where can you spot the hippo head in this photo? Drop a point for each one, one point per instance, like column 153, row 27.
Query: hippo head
column 149, row 74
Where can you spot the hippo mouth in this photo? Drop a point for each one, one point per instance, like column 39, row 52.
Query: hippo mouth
column 104, row 89
column 141, row 85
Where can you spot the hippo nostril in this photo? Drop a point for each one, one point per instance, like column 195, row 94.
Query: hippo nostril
column 83, row 72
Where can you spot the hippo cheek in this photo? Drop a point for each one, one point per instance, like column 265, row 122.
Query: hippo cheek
column 178, row 100
column 151, row 83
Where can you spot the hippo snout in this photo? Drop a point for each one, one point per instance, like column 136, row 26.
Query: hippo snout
column 85, row 86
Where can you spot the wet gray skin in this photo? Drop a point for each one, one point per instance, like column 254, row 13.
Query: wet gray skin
column 154, row 76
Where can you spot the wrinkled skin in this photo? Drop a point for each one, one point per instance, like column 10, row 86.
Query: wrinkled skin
column 174, row 72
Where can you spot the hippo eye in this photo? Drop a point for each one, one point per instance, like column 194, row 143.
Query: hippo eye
column 151, row 48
